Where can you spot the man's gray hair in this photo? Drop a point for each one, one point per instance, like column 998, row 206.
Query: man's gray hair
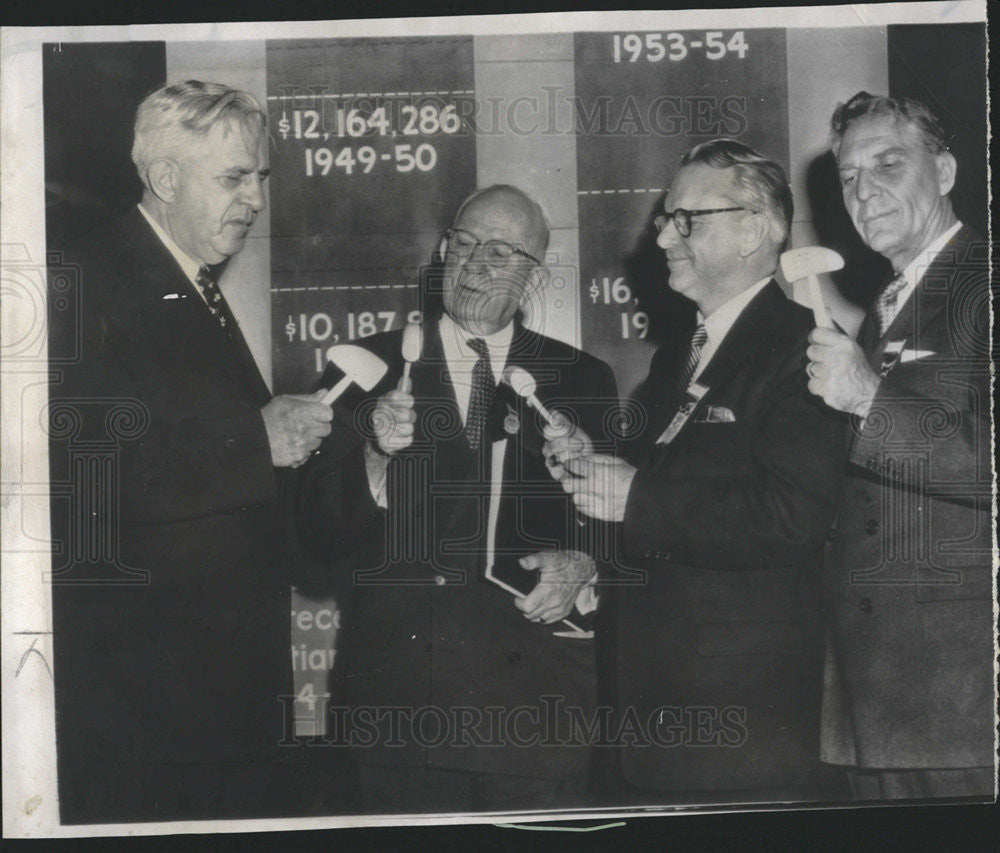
column 192, row 107
column 760, row 183
column 910, row 110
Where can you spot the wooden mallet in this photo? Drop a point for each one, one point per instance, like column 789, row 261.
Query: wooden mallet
column 360, row 367
column 807, row 263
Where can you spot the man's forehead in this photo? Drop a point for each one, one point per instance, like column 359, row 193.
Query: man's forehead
column 872, row 135
column 232, row 144
column 496, row 216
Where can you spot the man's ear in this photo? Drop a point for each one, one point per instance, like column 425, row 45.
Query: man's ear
column 947, row 168
column 162, row 176
column 755, row 230
column 536, row 282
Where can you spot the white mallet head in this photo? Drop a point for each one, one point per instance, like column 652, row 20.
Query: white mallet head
column 413, row 342
column 807, row 263
column 520, row 380
column 360, row 367
column 809, row 260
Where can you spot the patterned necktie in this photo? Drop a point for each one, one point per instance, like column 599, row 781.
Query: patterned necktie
column 213, row 296
column 698, row 341
column 484, row 389
column 885, row 305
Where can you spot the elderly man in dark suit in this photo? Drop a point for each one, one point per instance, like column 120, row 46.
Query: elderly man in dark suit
column 470, row 693
column 910, row 690
column 725, row 498
column 172, row 633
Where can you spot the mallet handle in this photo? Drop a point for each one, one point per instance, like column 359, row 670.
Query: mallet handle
column 820, row 314
column 330, row 396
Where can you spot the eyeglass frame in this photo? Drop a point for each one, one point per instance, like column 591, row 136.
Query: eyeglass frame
column 450, row 232
column 685, row 232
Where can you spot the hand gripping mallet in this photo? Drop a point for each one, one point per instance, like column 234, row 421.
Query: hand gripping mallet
column 524, row 385
column 360, row 368
column 808, row 262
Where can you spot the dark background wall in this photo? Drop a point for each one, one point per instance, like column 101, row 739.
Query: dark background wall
column 946, row 67
column 91, row 93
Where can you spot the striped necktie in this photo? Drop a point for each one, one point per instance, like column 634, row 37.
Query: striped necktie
column 885, row 305
column 484, row 389
column 698, row 341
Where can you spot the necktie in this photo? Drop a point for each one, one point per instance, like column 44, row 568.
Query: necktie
column 698, row 341
column 885, row 305
column 484, row 389
column 213, row 296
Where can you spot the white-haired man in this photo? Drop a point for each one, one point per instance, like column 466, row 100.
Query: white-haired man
column 909, row 704
column 171, row 643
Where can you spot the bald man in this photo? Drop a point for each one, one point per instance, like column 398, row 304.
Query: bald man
column 460, row 695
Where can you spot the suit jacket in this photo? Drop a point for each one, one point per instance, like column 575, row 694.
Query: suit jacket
column 422, row 627
column 171, row 615
column 909, row 579
column 720, row 648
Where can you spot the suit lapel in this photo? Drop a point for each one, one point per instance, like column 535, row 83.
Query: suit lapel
column 730, row 359
column 753, row 325
column 926, row 302
column 166, row 291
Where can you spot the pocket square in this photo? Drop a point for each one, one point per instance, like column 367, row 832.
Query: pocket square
column 716, row 415
column 914, row 354
column 175, row 296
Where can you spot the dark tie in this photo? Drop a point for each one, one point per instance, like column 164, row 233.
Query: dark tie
column 885, row 305
column 213, row 296
column 698, row 341
column 484, row 389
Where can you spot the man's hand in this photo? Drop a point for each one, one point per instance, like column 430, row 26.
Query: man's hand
column 393, row 419
column 564, row 441
column 563, row 575
column 599, row 485
column 295, row 423
column 839, row 372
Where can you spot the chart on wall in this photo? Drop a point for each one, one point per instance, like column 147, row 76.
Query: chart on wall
column 644, row 99
column 374, row 150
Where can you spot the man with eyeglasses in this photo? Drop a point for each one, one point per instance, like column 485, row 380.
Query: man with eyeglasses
column 725, row 497
column 470, row 690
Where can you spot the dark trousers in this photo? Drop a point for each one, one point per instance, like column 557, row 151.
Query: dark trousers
column 413, row 790
column 920, row 784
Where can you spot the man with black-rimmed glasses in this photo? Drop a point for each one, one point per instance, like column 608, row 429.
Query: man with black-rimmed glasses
column 725, row 497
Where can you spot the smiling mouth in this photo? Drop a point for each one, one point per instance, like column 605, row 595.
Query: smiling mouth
column 867, row 220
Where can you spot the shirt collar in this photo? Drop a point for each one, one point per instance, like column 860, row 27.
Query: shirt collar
column 456, row 351
column 188, row 265
column 918, row 266
column 721, row 320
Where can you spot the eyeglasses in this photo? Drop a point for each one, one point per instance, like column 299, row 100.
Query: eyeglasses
column 496, row 253
column 682, row 218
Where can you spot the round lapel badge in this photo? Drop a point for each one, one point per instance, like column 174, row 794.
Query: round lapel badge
column 511, row 423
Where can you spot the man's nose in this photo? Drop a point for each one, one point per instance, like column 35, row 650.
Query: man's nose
column 476, row 259
column 866, row 186
column 668, row 235
column 253, row 194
